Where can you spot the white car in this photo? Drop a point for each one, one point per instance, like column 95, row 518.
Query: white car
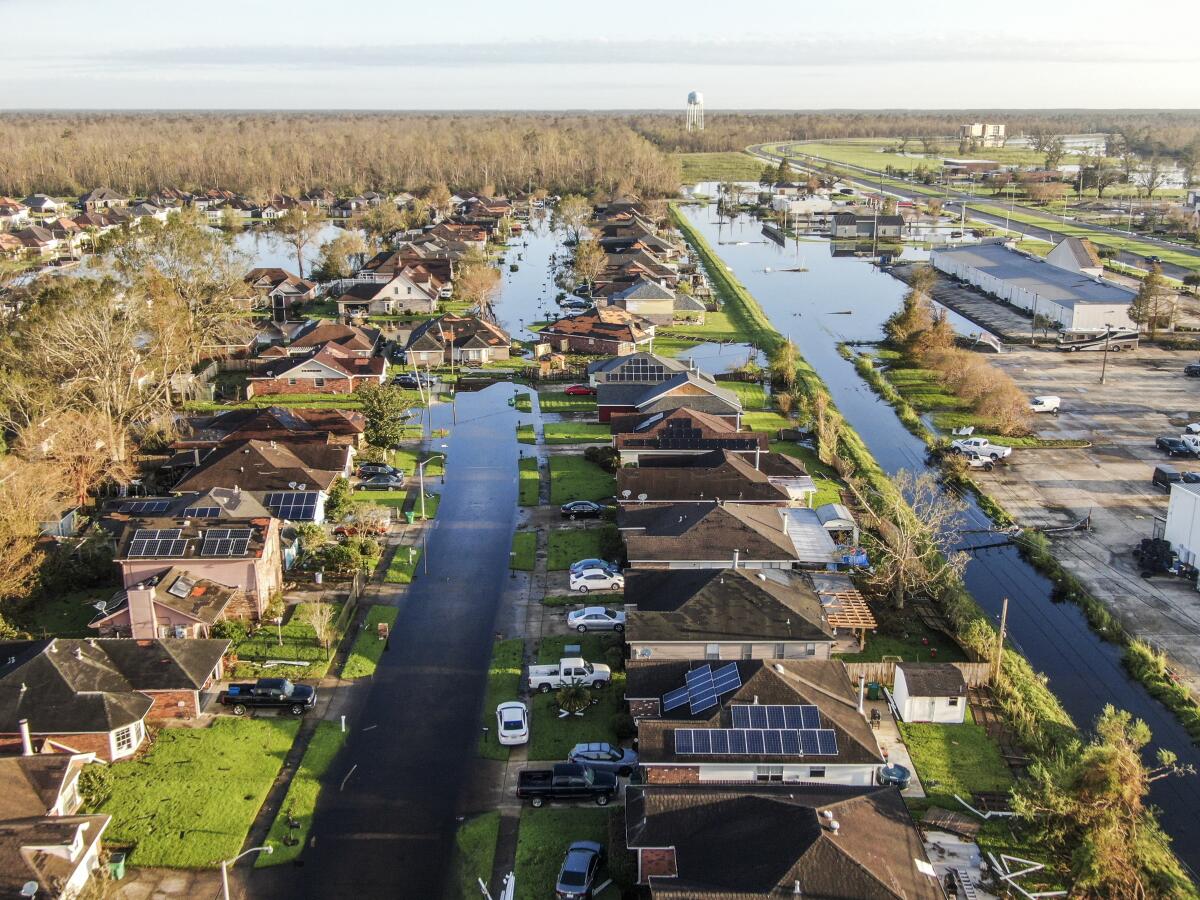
column 597, row 580
column 1045, row 404
column 596, row 618
column 512, row 723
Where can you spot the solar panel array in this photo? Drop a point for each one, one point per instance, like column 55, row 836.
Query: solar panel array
column 144, row 507
column 298, row 506
column 703, row 687
column 157, row 542
column 204, row 512
column 745, row 715
column 226, row 542
column 755, row 742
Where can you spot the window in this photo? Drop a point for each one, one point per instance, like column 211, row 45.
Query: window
column 810, row 649
column 712, row 651
column 780, row 651
column 747, row 651
column 291, row 381
column 123, row 739
column 816, row 771
column 953, row 701
column 768, row 773
column 319, row 382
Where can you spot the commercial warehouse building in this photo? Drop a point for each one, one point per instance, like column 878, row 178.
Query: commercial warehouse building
column 1071, row 296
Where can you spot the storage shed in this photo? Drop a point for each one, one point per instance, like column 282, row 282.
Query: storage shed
column 930, row 692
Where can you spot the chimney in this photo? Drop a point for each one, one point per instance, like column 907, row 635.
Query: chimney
column 143, row 619
column 26, row 738
column 862, row 682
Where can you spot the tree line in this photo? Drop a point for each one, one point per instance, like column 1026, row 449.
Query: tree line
column 259, row 154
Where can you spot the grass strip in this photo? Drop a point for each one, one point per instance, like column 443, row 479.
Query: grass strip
column 529, row 481
column 368, row 648
column 504, row 683
column 476, row 845
column 524, row 550
column 403, row 567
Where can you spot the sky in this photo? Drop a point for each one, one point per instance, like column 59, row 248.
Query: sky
column 525, row 54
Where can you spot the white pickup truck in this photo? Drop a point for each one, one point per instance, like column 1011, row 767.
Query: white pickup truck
column 981, row 447
column 569, row 670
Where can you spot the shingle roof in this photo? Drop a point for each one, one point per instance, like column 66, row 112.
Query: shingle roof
column 701, row 531
column 31, row 785
column 933, row 680
column 276, row 423
column 257, row 465
column 609, row 324
column 717, row 474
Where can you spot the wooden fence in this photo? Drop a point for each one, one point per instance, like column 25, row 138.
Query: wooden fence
column 974, row 673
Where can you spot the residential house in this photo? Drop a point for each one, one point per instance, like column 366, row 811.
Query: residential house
column 348, row 208
column 750, row 721
column 641, row 367
column 258, row 465
column 279, row 290
column 321, row 198
column 10, row 246
column 716, row 475
column 694, row 389
column 930, row 692
column 411, row 290
column 716, row 614
column 328, row 370
column 647, row 299
column 315, row 334
column 715, row 536
column 101, row 198
column 37, row 241
column 273, row 423
column 848, row 226
column 175, row 604
column 242, row 552
column 41, row 205
column 13, row 214
column 429, row 263
column 43, row 839
column 600, row 330
column 680, row 431
column 453, row 339
column 725, row 842
column 95, row 695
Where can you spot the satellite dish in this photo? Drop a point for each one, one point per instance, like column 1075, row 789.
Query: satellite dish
column 301, row 486
column 292, row 485
column 100, row 605
column 626, row 494
column 643, row 497
column 29, row 889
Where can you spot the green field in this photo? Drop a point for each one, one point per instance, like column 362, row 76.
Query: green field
column 574, row 478
column 299, row 642
column 955, row 759
column 504, row 683
column 190, row 800
column 552, row 737
column 62, row 615
column 301, row 799
column 403, row 567
column 476, row 845
column 524, row 550
column 526, row 434
column 732, row 166
column 368, row 648
column 406, row 461
column 570, row 545
column 829, row 486
column 558, row 402
column 576, row 433
column 529, row 481
column 394, row 499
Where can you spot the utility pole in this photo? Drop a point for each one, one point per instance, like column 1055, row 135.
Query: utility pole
column 1000, row 641
column 1108, row 330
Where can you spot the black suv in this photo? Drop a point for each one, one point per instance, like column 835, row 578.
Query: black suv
column 1192, row 370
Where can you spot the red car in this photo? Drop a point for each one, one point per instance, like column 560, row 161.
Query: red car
column 580, row 390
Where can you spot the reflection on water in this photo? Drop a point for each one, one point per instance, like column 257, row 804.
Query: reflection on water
column 267, row 249
column 715, row 358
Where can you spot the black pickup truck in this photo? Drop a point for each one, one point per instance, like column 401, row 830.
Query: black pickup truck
column 566, row 781
column 269, row 692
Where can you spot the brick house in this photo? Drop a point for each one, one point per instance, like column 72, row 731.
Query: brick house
column 678, row 432
column 773, row 479
column 353, row 340
column 778, row 721
column 720, row 842
column 693, row 389
column 340, row 427
column 95, row 695
column 278, row 290
column 600, row 330
column 329, row 370
column 453, row 339
column 172, row 604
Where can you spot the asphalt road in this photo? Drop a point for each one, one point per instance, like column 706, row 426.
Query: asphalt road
column 870, row 179
column 388, row 831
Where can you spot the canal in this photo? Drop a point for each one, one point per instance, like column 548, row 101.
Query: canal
column 846, row 298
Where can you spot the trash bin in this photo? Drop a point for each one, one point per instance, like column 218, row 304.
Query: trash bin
column 318, row 577
column 874, row 692
column 410, row 516
column 116, row 866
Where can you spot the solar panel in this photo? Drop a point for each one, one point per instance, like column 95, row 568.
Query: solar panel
column 737, row 741
column 683, row 740
column 808, row 741
column 775, row 717
column 727, row 678
column 141, row 507
column 754, row 742
column 811, row 716
column 698, row 675
column 772, row 742
column 720, row 740
column 204, row 512
column 827, row 738
column 745, row 715
column 299, row 506
column 675, row 699
column 701, row 740
column 791, row 742
column 702, row 702
column 226, row 542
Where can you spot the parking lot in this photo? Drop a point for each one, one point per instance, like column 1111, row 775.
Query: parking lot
column 1145, row 396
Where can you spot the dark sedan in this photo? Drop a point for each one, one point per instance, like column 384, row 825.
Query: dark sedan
column 1173, row 446
column 577, row 878
column 370, row 470
column 382, row 483
column 1192, row 370
column 581, row 509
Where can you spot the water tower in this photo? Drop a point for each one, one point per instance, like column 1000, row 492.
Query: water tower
column 695, row 111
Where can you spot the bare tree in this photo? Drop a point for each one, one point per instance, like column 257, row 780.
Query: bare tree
column 590, row 261
column 1153, row 176
column 477, row 282
column 76, row 444
column 574, row 212
column 319, row 617
column 299, row 227
column 919, row 530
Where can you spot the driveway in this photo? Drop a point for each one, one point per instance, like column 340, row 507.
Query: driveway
column 385, row 823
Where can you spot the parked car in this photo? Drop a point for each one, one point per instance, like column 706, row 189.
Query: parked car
column 596, row 618
column 411, row 381
column 1192, row 370
column 368, row 470
column 381, row 483
column 581, row 509
column 1173, row 446
column 1164, row 476
column 593, row 563
column 981, row 446
column 566, row 781
column 579, row 305
column 605, row 757
column 512, row 723
column 1045, row 405
column 568, row 670
column 580, row 390
column 596, row 580
column 975, row 461
column 579, row 871
column 278, row 693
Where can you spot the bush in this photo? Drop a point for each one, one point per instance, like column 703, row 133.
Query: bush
column 607, row 458
column 231, row 630
column 95, row 785
column 615, row 658
column 624, row 726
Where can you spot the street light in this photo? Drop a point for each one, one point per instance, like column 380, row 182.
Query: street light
column 421, row 477
column 226, row 863
column 1108, row 330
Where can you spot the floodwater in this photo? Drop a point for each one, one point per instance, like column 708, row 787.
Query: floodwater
column 266, row 249
column 528, row 294
column 847, row 299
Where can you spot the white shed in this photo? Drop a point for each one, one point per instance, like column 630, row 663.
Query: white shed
column 930, row 692
column 1183, row 522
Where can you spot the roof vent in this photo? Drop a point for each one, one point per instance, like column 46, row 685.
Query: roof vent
column 834, row 826
column 796, row 888
column 78, row 653
column 778, row 668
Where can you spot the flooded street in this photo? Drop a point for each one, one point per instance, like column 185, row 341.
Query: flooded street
column 844, row 298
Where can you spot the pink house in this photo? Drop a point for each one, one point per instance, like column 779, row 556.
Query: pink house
column 174, row 604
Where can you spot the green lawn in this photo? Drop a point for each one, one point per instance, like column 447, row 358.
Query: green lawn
column 299, row 643
column 403, row 567
column 955, row 759
column 767, row 421
column 301, row 799
column 523, row 403
column 394, row 499
column 504, row 683
column 542, row 843
column 368, row 648
column 911, row 648
column 732, row 166
column 432, row 503
column 552, row 737
column 829, row 486
column 527, row 470
column 569, row 545
column 751, row 393
column 564, row 600
column 575, row 478
column 558, row 402
column 718, row 326
column 476, row 843
column 526, row 434
column 63, row 615
column 524, row 549
column 576, row 433
column 406, row 461
column 189, row 802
